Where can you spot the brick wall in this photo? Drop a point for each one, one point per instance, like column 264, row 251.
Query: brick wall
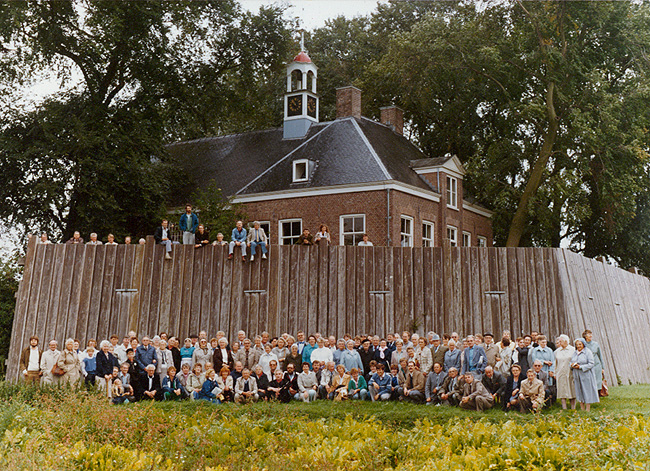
column 327, row 209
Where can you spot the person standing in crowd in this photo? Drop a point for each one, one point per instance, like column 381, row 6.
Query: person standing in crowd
column 257, row 238
column 105, row 361
column 69, row 363
column 88, row 363
column 308, row 349
column 491, row 349
column 564, row 372
column 520, row 355
column 423, row 356
column 145, row 354
column 592, row 345
column 30, row 361
column 365, row 241
column 75, row 239
column 248, row 356
column 452, row 357
column 201, row 237
column 93, row 239
column 202, row 353
column 49, row 360
column 504, row 358
column 238, row 239
column 188, row 224
column 473, row 358
column 161, row 236
column 323, row 234
column 584, row 378
column 222, row 356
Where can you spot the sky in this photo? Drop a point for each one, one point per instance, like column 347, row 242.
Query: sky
column 313, row 13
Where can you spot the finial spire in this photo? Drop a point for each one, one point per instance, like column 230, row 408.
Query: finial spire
column 302, row 40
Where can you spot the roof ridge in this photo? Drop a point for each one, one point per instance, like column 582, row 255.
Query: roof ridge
column 283, row 158
column 374, row 154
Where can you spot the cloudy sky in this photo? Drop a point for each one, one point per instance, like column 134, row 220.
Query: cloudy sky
column 313, row 13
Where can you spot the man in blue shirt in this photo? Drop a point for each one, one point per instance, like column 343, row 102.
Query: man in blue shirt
column 474, row 358
column 380, row 385
column 189, row 223
column 145, row 355
column 238, row 238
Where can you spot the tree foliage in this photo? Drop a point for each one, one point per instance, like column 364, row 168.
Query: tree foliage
column 217, row 212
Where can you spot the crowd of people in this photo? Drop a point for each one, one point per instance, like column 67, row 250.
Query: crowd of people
column 523, row 374
column 194, row 233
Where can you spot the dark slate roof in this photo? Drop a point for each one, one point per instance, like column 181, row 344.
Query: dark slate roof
column 434, row 162
column 346, row 151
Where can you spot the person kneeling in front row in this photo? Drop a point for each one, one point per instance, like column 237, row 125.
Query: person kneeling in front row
column 475, row 395
column 246, row 388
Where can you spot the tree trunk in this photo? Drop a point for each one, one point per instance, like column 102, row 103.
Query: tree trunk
column 518, row 223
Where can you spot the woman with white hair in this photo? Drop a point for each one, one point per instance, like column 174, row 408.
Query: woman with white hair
column 350, row 358
column 70, row 364
column 564, row 372
column 165, row 359
column 582, row 363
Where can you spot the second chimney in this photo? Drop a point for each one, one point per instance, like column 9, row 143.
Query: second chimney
column 348, row 102
column 393, row 117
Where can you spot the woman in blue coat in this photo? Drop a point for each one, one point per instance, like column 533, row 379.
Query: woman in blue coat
column 598, row 357
column 350, row 358
column 207, row 390
column 582, row 363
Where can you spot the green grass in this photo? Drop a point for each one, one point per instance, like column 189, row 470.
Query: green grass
column 58, row 429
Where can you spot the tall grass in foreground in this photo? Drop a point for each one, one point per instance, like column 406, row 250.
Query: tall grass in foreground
column 57, row 429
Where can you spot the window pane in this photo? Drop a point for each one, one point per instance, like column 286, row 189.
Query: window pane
column 358, row 224
column 347, row 225
column 348, row 239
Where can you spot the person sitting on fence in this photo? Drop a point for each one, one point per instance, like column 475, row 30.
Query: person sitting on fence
column 43, row 239
column 257, row 237
column 323, row 234
column 161, row 236
column 93, row 239
column 475, row 396
column 201, row 238
column 127, row 240
column 238, row 239
column 219, row 241
column 111, row 240
column 365, row 242
column 188, row 224
column 75, row 239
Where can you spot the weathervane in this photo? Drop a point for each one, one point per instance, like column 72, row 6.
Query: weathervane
column 302, row 40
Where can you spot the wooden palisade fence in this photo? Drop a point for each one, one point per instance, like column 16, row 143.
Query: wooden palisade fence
column 83, row 291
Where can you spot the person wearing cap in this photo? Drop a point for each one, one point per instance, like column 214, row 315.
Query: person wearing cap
column 491, row 349
column 257, row 237
column 437, row 351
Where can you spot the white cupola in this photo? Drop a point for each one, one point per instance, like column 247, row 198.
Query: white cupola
column 300, row 99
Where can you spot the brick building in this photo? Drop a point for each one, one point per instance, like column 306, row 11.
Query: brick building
column 353, row 174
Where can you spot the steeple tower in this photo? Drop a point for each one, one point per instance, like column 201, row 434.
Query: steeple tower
column 300, row 99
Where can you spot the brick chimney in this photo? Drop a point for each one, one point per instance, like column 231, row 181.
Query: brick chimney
column 348, row 102
column 393, row 117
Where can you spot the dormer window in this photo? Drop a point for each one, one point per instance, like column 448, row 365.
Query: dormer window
column 300, row 171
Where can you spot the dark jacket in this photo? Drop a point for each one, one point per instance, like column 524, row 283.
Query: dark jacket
column 176, row 355
column 218, row 361
column 302, row 240
column 438, row 356
column 144, row 385
column 284, row 395
column 189, row 225
column 510, row 386
column 495, row 385
column 145, row 357
column 105, row 363
column 206, row 389
column 366, row 358
column 203, row 239
column 385, row 361
column 295, row 361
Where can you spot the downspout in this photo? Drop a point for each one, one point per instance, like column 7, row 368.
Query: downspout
column 388, row 217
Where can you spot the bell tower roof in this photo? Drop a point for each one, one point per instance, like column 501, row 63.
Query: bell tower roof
column 302, row 57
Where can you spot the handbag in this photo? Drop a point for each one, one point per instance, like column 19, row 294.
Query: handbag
column 604, row 390
column 57, row 371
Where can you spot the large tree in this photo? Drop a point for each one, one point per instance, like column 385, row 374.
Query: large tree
column 135, row 76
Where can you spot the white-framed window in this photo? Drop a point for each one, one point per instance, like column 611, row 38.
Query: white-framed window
column 452, row 192
column 482, row 241
column 300, row 170
column 266, row 225
column 427, row 234
column 289, row 231
column 406, row 231
column 452, row 235
column 467, row 239
column 353, row 226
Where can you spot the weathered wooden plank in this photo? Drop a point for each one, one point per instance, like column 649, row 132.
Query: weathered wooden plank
column 296, row 318
column 309, row 280
column 145, row 289
column 418, row 289
column 105, row 324
column 225, row 322
column 378, row 314
column 428, row 287
column 531, row 279
column 447, row 279
column 284, row 253
column 495, row 299
column 350, row 308
column 268, row 300
column 216, row 281
column 332, row 293
column 407, row 283
column 177, row 271
column 323, row 288
column 237, row 304
column 476, row 294
column 134, row 301
column 483, row 321
column 540, row 276
column 441, row 315
column 341, row 292
column 206, row 291
column 467, row 257
column 96, row 295
column 51, row 326
column 368, row 282
column 198, row 278
column 64, row 315
column 389, row 285
column 43, row 317
column 504, row 304
column 166, row 289
column 361, row 304
column 122, row 300
column 31, row 314
column 81, row 331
